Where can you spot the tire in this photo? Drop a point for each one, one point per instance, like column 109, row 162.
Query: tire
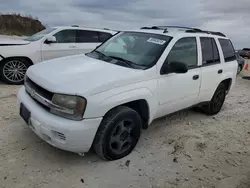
column 120, row 127
column 12, row 70
column 217, row 101
column 239, row 69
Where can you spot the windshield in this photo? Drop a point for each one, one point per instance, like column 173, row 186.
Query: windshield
column 40, row 34
column 139, row 49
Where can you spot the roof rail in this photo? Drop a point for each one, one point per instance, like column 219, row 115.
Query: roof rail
column 176, row 27
column 187, row 30
column 155, row 27
column 75, row 26
column 208, row 32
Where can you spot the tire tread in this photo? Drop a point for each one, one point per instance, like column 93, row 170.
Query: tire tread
column 100, row 135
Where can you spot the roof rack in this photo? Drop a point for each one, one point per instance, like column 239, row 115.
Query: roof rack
column 155, row 27
column 187, row 30
column 75, row 26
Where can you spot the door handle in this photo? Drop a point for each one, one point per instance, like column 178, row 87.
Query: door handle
column 195, row 77
column 72, row 46
column 220, row 71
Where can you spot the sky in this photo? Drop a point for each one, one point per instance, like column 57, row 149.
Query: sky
column 228, row 16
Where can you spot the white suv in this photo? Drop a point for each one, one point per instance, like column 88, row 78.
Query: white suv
column 17, row 55
column 103, row 99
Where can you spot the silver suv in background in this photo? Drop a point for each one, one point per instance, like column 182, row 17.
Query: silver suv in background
column 245, row 52
column 241, row 62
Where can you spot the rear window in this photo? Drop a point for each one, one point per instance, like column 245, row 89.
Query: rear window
column 228, row 50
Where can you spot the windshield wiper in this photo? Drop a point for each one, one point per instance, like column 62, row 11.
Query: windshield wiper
column 127, row 62
column 99, row 53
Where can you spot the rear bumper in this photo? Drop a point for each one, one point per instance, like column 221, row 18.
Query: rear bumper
column 69, row 135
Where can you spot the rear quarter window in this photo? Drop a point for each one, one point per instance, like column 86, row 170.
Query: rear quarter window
column 228, row 50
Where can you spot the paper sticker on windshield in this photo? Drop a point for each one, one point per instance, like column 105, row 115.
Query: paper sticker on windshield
column 156, row 41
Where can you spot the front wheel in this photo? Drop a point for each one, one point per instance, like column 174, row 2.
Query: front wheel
column 12, row 71
column 118, row 133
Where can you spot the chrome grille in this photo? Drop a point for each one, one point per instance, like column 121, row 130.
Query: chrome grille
column 38, row 89
column 41, row 95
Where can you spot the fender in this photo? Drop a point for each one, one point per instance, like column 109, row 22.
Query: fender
column 125, row 97
column 225, row 78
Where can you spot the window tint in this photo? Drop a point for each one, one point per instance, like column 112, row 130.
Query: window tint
column 210, row 52
column 228, row 50
column 207, row 50
column 66, row 36
column 184, row 50
column 87, row 36
column 216, row 54
column 104, row 36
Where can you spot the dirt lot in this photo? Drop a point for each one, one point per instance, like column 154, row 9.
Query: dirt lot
column 186, row 149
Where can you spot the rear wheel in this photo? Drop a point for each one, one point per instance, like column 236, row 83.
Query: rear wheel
column 216, row 103
column 118, row 133
column 12, row 71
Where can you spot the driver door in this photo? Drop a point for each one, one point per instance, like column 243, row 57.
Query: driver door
column 179, row 91
column 65, row 45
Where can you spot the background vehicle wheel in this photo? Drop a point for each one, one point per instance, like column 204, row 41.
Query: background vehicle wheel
column 12, row 70
column 118, row 133
column 239, row 69
column 215, row 105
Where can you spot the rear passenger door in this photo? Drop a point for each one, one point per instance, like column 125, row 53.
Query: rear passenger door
column 230, row 64
column 211, row 68
column 87, row 40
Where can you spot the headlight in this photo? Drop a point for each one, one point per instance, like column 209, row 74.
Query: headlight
column 68, row 106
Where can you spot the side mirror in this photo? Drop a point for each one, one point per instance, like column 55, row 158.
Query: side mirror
column 174, row 67
column 50, row 39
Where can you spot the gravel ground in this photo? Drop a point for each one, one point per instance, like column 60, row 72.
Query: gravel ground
column 186, row 149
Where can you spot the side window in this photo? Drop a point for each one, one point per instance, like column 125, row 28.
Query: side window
column 207, row 50
column 66, row 36
column 228, row 50
column 210, row 52
column 216, row 54
column 86, row 36
column 104, row 36
column 184, row 50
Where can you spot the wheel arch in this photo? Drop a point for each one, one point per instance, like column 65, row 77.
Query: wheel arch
column 141, row 107
column 18, row 57
column 141, row 100
column 228, row 83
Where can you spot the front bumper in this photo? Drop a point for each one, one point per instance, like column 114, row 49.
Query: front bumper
column 69, row 135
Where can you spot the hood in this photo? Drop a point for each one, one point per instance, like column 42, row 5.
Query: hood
column 10, row 42
column 81, row 75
